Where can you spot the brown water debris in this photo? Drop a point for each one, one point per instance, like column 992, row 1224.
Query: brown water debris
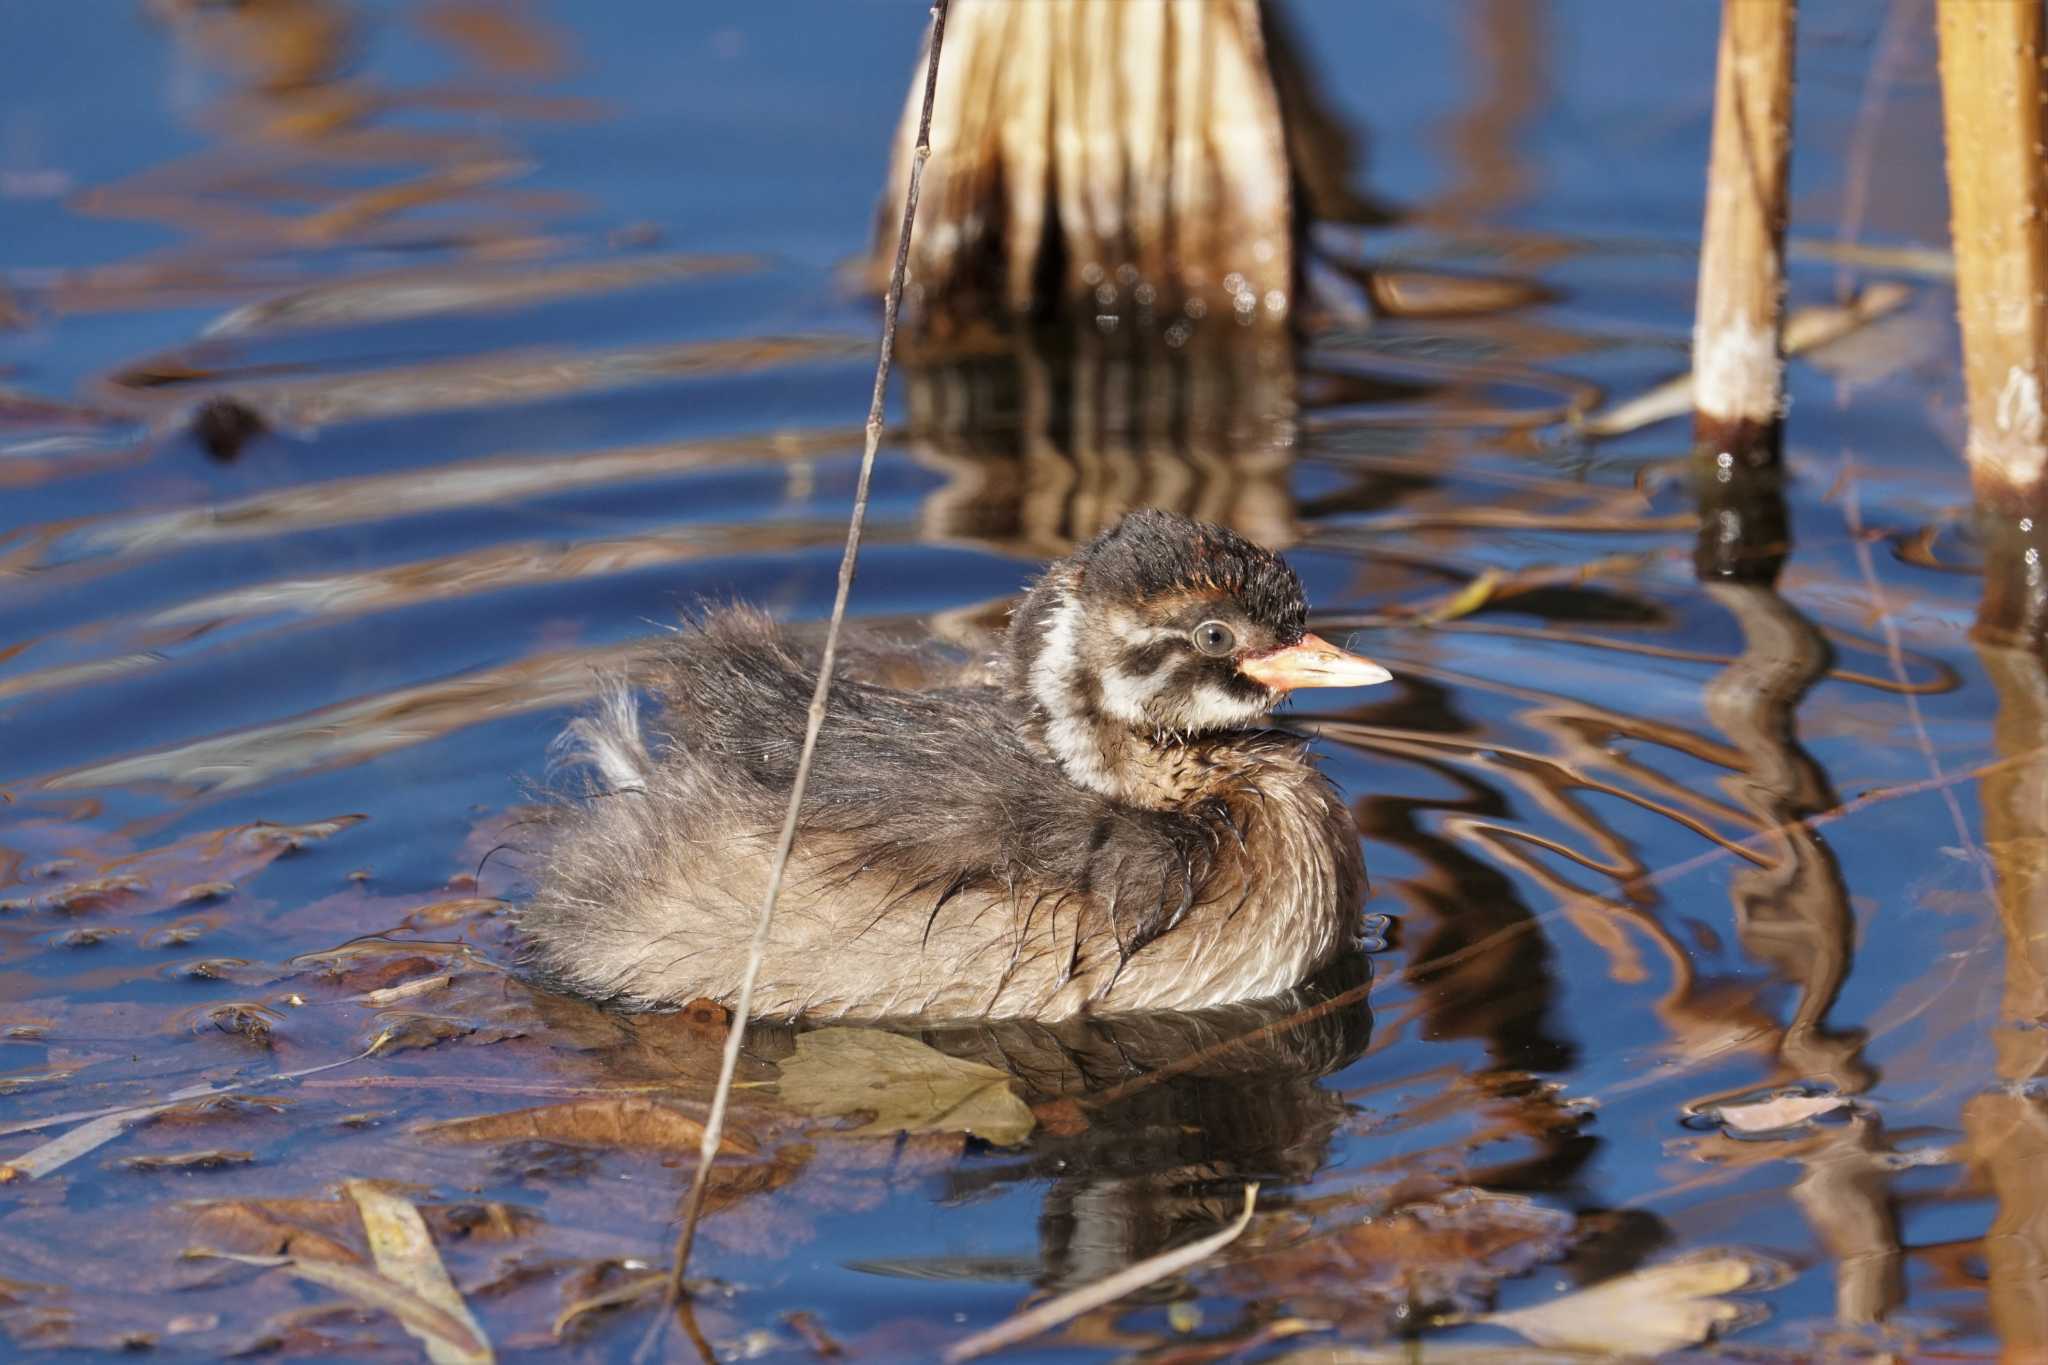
column 638, row 1124
column 1448, row 1252
column 206, row 866
column 1738, row 368
column 212, row 1159
column 1100, row 159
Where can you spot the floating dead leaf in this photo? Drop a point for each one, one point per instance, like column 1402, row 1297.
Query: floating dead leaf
column 399, row 1031
column 454, row 911
column 95, row 894
column 1648, row 1312
column 1780, row 1111
column 215, row 1159
column 903, row 1085
column 306, row 1229
column 291, row 838
column 90, row 937
column 1446, row 1252
column 219, row 1109
column 405, row 1254
column 374, row 962
column 628, row 1122
column 405, row 990
column 424, row 1320
column 220, row 969
column 244, row 1019
column 632, row 1289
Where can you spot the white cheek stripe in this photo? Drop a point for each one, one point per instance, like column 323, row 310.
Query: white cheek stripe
column 1058, row 656
column 1212, row 708
column 1067, row 734
column 1124, row 695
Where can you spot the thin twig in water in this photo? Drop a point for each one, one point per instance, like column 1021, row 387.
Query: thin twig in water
column 1073, row 1304
column 714, row 1124
column 1852, row 513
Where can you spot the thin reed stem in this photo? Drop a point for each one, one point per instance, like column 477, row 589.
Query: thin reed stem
column 714, row 1124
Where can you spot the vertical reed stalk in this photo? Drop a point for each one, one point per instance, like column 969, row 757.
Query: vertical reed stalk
column 1992, row 88
column 1737, row 359
column 1738, row 324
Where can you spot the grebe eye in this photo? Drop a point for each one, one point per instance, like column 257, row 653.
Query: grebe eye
column 1215, row 639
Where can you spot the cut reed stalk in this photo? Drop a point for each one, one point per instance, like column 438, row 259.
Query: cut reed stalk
column 1737, row 326
column 1102, row 159
column 1992, row 88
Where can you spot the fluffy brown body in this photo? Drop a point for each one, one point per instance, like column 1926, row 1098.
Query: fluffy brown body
column 997, row 843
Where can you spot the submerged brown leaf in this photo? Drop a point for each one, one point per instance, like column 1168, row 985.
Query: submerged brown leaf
column 903, row 1085
column 214, row 1159
column 633, row 1123
column 1448, row 1252
column 391, row 995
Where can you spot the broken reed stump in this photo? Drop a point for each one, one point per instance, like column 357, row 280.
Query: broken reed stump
column 1992, row 89
column 1738, row 361
column 1116, row 162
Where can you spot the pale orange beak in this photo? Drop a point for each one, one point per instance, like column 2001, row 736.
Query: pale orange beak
column 1314, row 662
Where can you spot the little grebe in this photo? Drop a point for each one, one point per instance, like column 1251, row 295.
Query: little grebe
column 1098, row 823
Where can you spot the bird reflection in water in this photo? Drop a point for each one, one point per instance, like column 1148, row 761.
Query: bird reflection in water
column 1157, row 1121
